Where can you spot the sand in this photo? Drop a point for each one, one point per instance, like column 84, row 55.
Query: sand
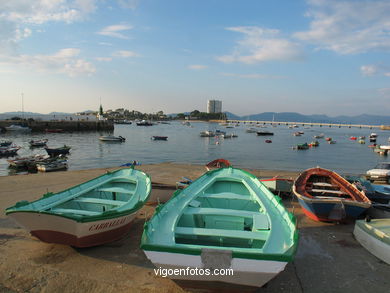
column 329, row 259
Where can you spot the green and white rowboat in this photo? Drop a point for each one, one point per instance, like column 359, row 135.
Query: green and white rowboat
column 375, row 237
column 225, row 219
column 92, row 213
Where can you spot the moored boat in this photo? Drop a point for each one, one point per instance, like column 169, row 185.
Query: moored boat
column 157, row 137
column 218, row 163
column 38, row 143
column 95, row 212
column 112, row 138
column 207, row 133
column 58, row 151
column 264, row 133
column 18, row 128
column 326, row 196
column 144, row 123
column 224, row 219
column 374, row 235
column 9, row 151
column 59, row 165
column 5, row 143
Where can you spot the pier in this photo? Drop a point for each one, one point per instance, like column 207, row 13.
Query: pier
column 320, row 124
column 66, row 126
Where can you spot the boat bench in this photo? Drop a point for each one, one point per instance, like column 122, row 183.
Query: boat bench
column 100, row 201
column 261, row 235
column 222, row 212
column 227, row 195
column 76, row 212
column 323, row 184
column 328, row 191
column 115, row 189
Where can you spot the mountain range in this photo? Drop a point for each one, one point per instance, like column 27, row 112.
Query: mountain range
column 265, row 116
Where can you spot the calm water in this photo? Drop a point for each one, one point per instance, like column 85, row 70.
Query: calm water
column 184, row 145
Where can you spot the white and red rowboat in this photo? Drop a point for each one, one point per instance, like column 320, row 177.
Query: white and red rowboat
column 95, row 212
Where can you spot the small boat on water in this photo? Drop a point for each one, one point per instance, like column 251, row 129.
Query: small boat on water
column 361, row 141
column 28, row 163
column 57, row 165
column 319, row 136
column 229, row 135
column 224, row 219
column 95, row 212
column 54, row 130
column 302, row 146
column 268, row 141
column 157, row 137
column 9, row 151
column 5, row 143
column 112, row 138
column 18, row 128
column 218, row 163
column 353, row 138
column 38, row 143
column 264, row 133
column 326, row 196
column 331, row 141
column 207, row 133
column 251, row 130
column 314, row 143
column 374, row 235
column 58, row 151
column 144, row 123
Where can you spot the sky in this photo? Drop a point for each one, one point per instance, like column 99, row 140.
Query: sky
column 308, row 56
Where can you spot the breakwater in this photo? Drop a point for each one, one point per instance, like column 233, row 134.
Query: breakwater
column 66, row 126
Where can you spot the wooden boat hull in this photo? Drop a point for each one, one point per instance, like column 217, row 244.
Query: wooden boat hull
column 56, row 229
column 246, row 272
column 331, row 211
column 368, row 236
column 326, row 196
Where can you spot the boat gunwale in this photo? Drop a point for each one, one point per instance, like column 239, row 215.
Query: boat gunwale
column 84, row 219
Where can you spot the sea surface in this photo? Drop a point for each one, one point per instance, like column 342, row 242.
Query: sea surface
column 184, row 145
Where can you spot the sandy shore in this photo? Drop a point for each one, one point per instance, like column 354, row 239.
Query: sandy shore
column 329, row 259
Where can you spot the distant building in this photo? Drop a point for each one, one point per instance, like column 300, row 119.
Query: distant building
column 214, row 106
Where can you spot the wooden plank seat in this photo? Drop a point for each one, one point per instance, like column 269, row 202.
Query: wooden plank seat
column 76, row 212
column 227, row 195
column 219, row 212
column 100, row 201
column 328, row 191
column 260, row 235
column 115, row 189
column 324, row 184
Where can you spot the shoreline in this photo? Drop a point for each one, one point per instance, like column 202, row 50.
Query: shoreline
column 27, row 264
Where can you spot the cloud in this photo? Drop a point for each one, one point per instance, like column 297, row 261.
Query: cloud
column 103, row 59
column 261, row 44
column 197, row 67
column 253, row 76
column 130, row 4
column 372, row 70
column 65, row 61
column 125, row 54
column 348, row 27
column 115, row 31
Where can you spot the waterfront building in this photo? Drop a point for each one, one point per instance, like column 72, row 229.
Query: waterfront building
column 214, row 106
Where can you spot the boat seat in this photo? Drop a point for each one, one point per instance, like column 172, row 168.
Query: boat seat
column 115, row 189
column 222, row 233
column 76, row 212
column 227, row 195
column 222, row 212
column 260, row 222
column 100, row 201
column 323, row 184
column 328, row 191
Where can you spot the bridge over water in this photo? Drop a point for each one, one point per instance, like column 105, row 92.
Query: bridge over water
column 339, row 125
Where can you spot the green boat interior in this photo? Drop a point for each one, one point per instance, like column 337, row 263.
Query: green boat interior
column 96, row 199
column 224, row 214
